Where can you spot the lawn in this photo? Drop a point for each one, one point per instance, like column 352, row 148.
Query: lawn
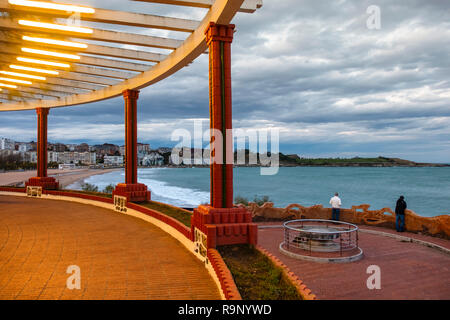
column 256, row 277
column 184, row 216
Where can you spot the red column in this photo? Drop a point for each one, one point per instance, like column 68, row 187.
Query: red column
column 131, row 189
column 42, row 180
column 131, row 97
column 221, row 222
column 218, row 39
column 42, row 114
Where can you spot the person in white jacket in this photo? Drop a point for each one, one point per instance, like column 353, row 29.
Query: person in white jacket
column 336, row 207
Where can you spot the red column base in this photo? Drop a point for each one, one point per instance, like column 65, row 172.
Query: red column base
column 224, row 226
column 134, row 192
column 47, row 183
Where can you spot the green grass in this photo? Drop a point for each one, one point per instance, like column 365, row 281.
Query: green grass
column 92, row 193
column 179, row 214
column 256, row 277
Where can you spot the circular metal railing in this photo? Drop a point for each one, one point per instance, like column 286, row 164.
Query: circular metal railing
column 316, row 235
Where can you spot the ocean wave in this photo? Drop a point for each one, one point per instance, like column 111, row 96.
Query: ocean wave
column 162, row 191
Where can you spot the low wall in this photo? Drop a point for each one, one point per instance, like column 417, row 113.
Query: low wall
column 438, row 226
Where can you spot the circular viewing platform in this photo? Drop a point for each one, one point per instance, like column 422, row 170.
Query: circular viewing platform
column 321, row 240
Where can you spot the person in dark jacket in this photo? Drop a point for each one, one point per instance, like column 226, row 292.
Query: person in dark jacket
column 400, row 214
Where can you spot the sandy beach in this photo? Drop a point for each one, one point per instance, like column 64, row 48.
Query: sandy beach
column 65, row 177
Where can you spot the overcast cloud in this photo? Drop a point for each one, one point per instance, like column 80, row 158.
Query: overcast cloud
column 310, row 68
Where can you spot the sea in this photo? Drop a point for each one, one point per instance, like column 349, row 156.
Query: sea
column 426, row 189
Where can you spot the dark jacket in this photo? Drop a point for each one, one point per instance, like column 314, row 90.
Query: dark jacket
column 400, row 207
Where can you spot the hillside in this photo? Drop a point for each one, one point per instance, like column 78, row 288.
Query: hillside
column 294, row 160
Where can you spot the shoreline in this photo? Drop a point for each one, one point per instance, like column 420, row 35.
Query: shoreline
column 64, row 177
column 283, row 165
column 67, row 179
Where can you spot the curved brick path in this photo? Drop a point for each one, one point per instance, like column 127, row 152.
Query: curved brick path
column 120, row 257
column 408, row 270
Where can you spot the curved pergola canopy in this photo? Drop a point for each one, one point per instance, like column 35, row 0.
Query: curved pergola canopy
column 52, row 56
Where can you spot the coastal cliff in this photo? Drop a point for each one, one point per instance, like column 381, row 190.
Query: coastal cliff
column 295, row 160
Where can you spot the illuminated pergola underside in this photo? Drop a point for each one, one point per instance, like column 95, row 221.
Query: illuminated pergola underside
column 105, row 69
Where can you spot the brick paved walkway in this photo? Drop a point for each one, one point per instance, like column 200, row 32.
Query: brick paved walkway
column 408, row 270
column 120, row 257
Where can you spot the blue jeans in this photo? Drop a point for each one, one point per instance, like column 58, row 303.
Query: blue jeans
column 335, row 214
column 400, row 222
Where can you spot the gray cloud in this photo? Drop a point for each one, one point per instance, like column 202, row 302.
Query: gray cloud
column 312, row 69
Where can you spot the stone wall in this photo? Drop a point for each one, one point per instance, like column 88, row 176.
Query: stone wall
column 437, row 226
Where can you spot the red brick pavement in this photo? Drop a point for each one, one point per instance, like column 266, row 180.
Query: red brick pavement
column 408, row 270
column 120, row 257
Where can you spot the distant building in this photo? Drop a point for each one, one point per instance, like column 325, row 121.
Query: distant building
column 84, row 147
column 153, row 159
column 71, row 147
column 7, row 144
column 143, row 147
column 162, row 150
column 86, row 158
column 31, row 156
column 112, row 160
column 33, row 146
column 59, row 147
column 24, row 147
column 52, row 156
column 10, row 152
column 106, row 149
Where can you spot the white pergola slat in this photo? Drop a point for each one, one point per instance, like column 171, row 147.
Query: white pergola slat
column 95, row 49
column 84, row 60
column 116, row 17
column 108, row 63
column 100, row 35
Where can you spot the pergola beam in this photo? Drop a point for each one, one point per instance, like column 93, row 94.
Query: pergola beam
column 14, row 97
column 115, row 17
column 86, row 60
column 124, row 53
column 56, row 88
column 100, row 50
column 88, row 78
column 82, row 73
column 113, row 64
column 50, row 93
column 249, row 6
column 73, row 79
column 26, row 95
column 73, row 83
column 101, row 35
column 101, row 72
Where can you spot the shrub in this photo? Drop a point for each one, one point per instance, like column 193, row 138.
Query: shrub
column 262, row 200
column 89, row 187
column 241, row 200
column 109, row 188
column 258, row 200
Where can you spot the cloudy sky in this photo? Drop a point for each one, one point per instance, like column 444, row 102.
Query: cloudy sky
column 312, row 69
